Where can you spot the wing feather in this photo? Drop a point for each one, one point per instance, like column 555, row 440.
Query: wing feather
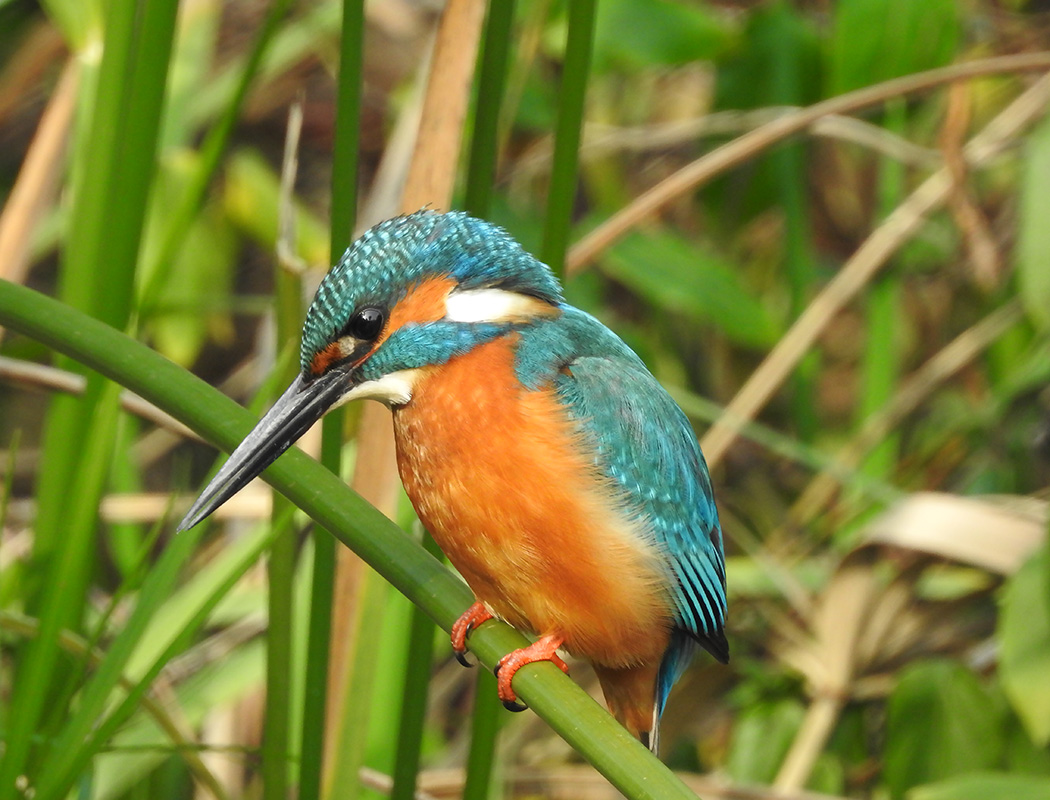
column 646, row 445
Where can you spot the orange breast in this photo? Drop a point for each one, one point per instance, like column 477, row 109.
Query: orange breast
column 502, row 479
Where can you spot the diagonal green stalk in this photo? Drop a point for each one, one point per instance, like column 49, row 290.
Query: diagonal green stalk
column 571, row 104
column 97, row 276
column 103, row 730
column 401, row 560
column 27, row 627
column 92, row 703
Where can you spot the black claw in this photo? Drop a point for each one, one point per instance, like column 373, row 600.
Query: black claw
column 514, row 706
column 461, row 657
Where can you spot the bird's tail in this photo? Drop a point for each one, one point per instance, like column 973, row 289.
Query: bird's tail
column 629, row 695
column 636, row 695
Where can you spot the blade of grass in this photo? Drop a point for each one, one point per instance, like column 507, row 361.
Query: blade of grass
column 102, row 629
column 484, row 734
column 881, row 360
column 418, row 657
column 58, row 783
column 347, row 134
column 562, row 704
column 571, row 103
column 76, row 645
column 92, row 701
column 492, row 79
column 113, row 179
column 352, row 719
column 789, row 168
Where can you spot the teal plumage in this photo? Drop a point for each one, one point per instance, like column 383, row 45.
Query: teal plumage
column 420, row 294
column 644, row 443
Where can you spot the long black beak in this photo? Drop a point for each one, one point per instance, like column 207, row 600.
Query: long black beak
column 301, row 405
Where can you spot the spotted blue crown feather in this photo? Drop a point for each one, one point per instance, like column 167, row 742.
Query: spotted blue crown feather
column 381, row 266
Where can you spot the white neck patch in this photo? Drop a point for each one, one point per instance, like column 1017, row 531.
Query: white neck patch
column 493, row 305
column 394, row 389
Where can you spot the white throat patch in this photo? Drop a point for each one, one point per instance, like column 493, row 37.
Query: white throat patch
column 394, row 389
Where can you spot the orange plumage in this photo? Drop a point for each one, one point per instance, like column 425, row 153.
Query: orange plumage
column 501, row 478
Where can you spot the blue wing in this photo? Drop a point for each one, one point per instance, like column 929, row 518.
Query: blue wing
column 646, row 445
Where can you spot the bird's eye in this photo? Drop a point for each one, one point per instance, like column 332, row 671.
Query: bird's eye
column 366, row 324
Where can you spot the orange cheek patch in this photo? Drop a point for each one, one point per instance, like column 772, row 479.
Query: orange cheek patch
column 425, row 302
column 325, row 358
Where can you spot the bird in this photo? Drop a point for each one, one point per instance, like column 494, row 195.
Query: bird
column 558, row 476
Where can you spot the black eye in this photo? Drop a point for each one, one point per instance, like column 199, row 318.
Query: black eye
column 366, row 323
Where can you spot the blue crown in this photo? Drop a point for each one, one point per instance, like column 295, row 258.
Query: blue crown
column 394, row 255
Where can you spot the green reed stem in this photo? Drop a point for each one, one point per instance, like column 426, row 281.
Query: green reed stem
column 484, row 734
column 492, row 79
column 571, row 105
column 419, row 654
column 881, row 360
column 280, row 572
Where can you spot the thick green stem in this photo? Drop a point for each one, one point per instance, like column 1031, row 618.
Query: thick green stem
column 414, row 701
column 492, row 78
column 572, row 97
column 484, row 734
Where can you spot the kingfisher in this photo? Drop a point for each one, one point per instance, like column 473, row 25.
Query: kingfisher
column 558, row 476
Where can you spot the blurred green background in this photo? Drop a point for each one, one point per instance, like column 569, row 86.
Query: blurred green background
column 873, row 273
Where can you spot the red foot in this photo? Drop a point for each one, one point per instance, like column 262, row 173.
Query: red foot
column 543, row 649
column 471, row 618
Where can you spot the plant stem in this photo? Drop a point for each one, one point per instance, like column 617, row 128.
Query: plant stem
column 418, row 657
column 572, row 97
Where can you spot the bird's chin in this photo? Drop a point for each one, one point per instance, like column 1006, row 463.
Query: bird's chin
column 392, row 390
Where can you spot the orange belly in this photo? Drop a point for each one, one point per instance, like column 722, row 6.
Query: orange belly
column 501, row 478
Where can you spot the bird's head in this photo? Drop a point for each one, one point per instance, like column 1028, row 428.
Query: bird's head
column 409, row 295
